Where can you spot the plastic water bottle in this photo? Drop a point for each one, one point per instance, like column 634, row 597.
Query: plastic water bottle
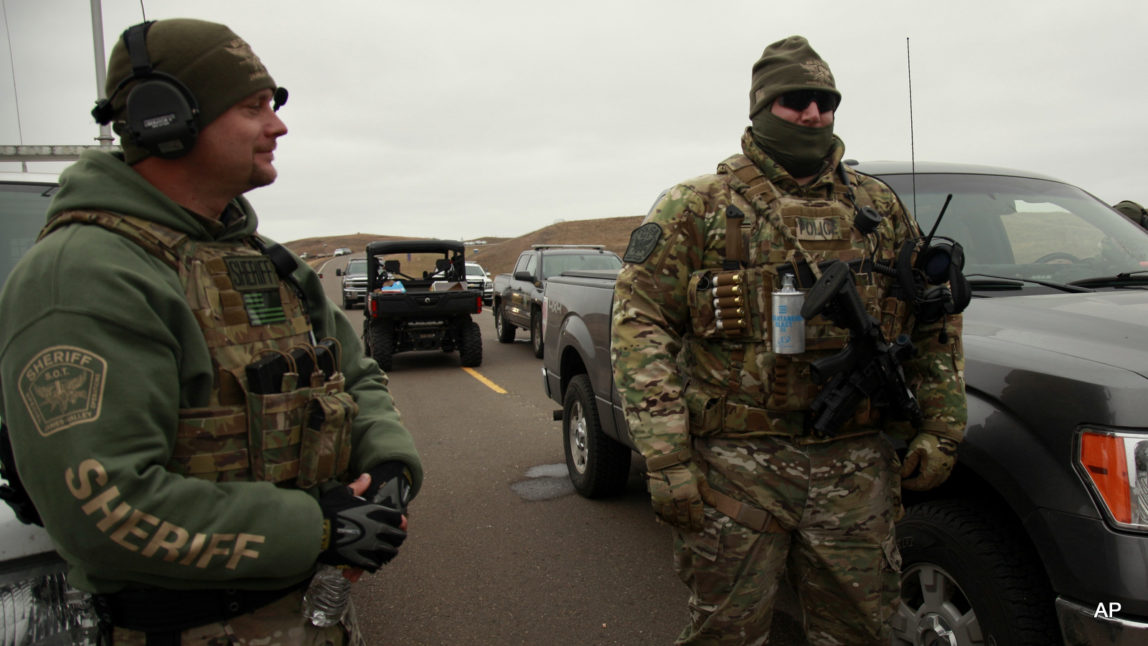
column 325, row 602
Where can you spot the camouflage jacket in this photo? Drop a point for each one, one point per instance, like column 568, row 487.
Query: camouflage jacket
column 678, row 376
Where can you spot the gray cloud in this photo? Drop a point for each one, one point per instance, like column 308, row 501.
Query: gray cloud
column 463, row 119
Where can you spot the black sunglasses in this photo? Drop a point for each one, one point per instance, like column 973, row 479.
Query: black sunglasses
column 800, row 99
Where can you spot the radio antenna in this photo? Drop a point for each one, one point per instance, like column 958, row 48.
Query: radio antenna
column 912, row 140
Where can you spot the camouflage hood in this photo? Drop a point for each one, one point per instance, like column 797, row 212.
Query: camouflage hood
column 102, row 181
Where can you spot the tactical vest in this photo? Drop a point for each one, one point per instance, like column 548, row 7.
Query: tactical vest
column 288, row 428
column 737, row 385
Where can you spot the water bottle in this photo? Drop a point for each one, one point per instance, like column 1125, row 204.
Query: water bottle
column 325, row 602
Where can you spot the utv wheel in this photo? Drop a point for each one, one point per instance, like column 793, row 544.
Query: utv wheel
column 505, row 330
column 470, row 345
column 536, row 333
column 598, row 465
column 969, row 579
column 383, row 344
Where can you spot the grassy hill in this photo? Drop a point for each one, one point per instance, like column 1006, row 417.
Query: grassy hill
column 499, row 254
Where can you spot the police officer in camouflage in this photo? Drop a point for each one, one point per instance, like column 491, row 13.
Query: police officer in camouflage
column 195, row 422
column 751, row 493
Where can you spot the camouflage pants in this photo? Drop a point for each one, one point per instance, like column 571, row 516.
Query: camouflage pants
column 836, row 503
column 277, row 624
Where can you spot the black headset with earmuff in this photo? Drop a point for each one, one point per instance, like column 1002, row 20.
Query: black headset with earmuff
column 161, row 114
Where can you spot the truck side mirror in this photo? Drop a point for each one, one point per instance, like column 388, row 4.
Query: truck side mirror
column 338, row 272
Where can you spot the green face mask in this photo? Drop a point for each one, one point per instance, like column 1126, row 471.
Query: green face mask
column 801, row 150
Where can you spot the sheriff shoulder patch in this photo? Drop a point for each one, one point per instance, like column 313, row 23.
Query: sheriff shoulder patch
column 63, row 386
column 643, row 240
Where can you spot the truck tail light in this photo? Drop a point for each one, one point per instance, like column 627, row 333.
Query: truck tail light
column 1115, row 465
column 478, row 300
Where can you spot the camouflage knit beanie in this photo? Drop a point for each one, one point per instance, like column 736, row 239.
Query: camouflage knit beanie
column 216, row 66
column 787, row 65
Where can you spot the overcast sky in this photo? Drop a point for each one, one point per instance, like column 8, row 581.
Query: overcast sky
column 461, row 119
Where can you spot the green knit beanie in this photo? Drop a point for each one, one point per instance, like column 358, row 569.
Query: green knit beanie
column 787, row 65
column 216, row 66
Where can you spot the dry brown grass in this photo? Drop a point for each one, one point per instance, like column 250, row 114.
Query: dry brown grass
column 499, row 254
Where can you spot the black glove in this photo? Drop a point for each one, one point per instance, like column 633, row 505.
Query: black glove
column 358, row 533
column 390, row 486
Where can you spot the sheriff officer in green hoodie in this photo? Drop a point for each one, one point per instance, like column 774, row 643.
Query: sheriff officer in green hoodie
column 193, row 419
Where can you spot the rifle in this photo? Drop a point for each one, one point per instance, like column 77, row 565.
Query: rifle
column 868, row 367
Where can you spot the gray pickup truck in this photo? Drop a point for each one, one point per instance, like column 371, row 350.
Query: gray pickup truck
column 518, row 295
column 1041, row 534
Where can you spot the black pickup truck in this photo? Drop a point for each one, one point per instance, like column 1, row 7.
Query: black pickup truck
column 1041, row 534
column 418, row 299
column 518, row 295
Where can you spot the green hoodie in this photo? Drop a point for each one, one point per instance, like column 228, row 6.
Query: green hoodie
column 92, row 303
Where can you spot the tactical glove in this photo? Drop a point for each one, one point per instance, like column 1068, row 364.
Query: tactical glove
column 390, row 486
column 929, row 462
column 675, row 495
column 358, row 533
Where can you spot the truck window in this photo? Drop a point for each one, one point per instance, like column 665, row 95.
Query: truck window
column 553, row 265
column 22, row 208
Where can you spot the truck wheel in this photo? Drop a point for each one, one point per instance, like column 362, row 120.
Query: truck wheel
column 505, row 330
column 470, row 345
column 383, row 344
column 598, row 465
column 536, row 333
column 347, row 304
column 968, row 578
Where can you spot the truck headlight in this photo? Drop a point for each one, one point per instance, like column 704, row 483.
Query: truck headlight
column 37, row 606
column 1115, row 466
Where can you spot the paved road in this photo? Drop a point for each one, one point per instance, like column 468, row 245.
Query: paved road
column 501, row 550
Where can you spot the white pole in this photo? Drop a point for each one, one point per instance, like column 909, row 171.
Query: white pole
column 105, row 137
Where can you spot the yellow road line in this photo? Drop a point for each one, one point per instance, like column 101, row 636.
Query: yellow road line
column 486, row 382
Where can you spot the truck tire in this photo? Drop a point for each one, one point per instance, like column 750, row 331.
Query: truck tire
column 969, row 578
column 536, row 333
column 598, row 465
column 383, row 344
column 505, row 330
column 470, row 345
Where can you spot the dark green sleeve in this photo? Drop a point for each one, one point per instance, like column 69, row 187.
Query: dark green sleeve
column 94, row 355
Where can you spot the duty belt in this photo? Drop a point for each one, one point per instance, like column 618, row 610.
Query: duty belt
column 164, row 614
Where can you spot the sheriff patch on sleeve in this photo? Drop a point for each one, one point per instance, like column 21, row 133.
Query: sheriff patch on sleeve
column 63, row 386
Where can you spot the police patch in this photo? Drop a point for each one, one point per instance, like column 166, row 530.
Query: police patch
column 643, row 240
column 818, row 228
column 63, row 386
